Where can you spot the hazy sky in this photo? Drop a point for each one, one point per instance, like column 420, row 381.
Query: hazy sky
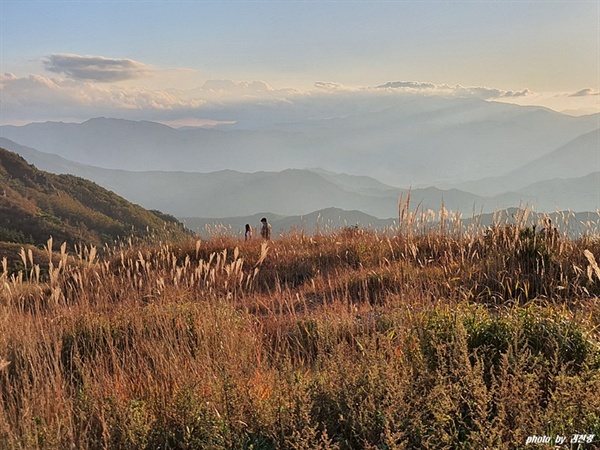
column 73, row 60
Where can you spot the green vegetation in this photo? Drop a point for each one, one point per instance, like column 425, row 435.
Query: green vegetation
column 437, row 339
column 16, row 236
column 35, row 205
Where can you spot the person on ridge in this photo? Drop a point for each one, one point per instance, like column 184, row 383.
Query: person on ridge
column 248, row 233
column 265, row 231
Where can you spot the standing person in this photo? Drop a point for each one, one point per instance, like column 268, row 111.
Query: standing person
column 549, row 232
column 265, row 231
column 248, row 233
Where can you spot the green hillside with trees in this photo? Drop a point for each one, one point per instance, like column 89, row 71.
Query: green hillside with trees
column 35, row 205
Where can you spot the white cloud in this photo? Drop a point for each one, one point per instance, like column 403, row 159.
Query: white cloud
column 413, row 85
column 328, row 85
column 7, row 76
column 481, row 92
column 249, row 104
column 41, row 98
column 95, row 68
column 232, row 87
column 584, row 93
column 522, row 93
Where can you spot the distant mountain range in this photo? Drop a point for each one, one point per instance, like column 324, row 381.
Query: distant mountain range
column 229, row 193
column 577, row 158
column 325, row 220
column 299, row 192
column 335, row 219
column 415, row 141
column 35, row 205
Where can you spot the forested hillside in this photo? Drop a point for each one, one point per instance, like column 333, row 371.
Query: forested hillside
column 35, row 205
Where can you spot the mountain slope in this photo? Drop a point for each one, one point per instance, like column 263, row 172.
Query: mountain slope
column 560, row 194
column 577, row 158
column 35, row 205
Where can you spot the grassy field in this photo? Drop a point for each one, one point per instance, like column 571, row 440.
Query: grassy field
column 422, row 337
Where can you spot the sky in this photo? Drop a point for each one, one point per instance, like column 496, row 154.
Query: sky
column 195, row 62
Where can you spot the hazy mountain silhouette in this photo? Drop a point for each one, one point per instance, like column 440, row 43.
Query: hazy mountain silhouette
column 357, row 183
column 324, row 221
column 46, row 161
column 24, row 217
column 416, row 141
column 295, row 192
column 230, row 193
column 568, row 223
column 577, row 158
column 559, row 194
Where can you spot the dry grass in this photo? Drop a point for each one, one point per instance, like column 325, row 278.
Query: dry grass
column 422, row 337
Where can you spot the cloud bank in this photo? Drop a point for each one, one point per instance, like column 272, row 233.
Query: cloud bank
column 89, row 86
column 481, row 92
column 584, row 93
column 407, row 85
column 95, row 68
column 328, row 85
